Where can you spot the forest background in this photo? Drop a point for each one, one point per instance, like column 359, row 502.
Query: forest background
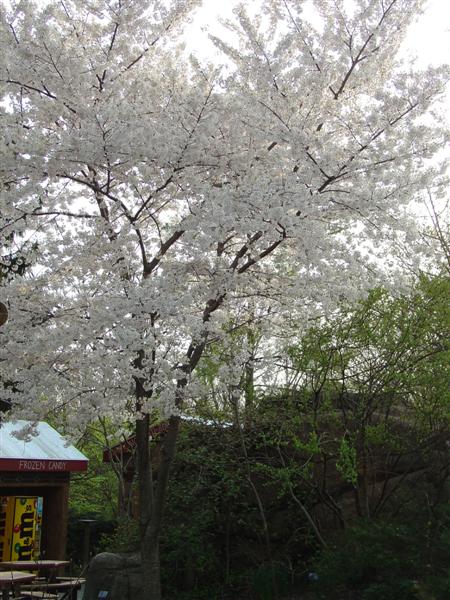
column 333, row 486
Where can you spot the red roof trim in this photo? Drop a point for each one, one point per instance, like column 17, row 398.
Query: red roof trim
column 38, row 464
column 127, row 447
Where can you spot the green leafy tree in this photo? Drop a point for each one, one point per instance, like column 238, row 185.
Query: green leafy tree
column 372, row 385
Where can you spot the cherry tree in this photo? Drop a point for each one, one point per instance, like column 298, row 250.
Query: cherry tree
column 157, row 195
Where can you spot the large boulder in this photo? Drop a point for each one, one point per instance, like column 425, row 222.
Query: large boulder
column 117, row 574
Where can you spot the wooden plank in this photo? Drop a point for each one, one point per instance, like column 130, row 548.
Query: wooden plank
column 70, row 584
column 38, row 594
column 64, row 585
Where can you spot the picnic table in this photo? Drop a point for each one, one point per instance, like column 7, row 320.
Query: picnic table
column 49, row 567
column 12, row 580
column 46, row 584
column 65, row 587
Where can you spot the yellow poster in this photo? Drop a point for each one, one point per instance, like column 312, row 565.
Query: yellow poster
column 20, row 528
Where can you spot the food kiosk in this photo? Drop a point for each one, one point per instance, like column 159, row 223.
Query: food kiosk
column 34, row 492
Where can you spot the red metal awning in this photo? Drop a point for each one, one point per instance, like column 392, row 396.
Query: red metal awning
column 127, row 447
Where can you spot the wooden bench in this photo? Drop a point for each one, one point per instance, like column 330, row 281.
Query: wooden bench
column 46, row 589
column 41, row 594
column 66, row 585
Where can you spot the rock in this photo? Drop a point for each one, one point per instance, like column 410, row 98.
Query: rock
column 117, row 574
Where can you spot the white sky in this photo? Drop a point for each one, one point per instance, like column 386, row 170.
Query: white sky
column 428, row 40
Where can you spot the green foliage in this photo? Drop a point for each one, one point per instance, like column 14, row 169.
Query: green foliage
column 372, row 381
column 93, row 495
column 371, row 392
column 212, row 542
column 310, row 445
column 191, row 550
column 270, row 582
column 384, row 349
column 94, row 492
column 346, row 463
column 125, row 537
column 99, row 528
column 393, row 560
column 369, row 557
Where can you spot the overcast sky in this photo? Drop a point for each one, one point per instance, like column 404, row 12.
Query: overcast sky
column 428, row 40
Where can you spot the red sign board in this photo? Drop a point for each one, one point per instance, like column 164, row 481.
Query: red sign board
column 37, row 464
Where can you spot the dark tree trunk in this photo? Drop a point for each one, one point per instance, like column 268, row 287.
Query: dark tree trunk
column 151, row 573
column 152, row 497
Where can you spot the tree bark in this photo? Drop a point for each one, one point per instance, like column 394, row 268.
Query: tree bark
column 152, row 497
column 151, row 573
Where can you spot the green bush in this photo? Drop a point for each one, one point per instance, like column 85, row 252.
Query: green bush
column 271, row 581
column 100, row 528
column 124, row 538
column 388, row 560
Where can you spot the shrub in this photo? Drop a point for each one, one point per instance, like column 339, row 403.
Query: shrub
column 389, row 560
